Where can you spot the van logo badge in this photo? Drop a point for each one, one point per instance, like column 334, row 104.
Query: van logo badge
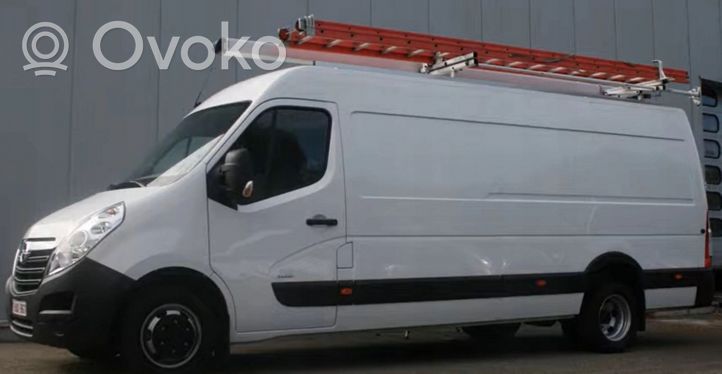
column 24, row 252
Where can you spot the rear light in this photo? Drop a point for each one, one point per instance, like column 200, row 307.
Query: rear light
column 707, row 255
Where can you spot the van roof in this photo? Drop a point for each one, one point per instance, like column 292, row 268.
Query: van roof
column 326, row 82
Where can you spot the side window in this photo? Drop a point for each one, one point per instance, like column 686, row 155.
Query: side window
column 257, row 140
column 288, row 148
column 300, row 149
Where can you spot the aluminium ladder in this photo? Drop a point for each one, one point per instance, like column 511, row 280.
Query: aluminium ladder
column 443, row 55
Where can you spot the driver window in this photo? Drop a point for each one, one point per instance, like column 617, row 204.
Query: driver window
column 288, row 148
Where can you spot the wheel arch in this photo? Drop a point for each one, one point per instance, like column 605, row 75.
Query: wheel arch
column 618, row 267
column 202, row 286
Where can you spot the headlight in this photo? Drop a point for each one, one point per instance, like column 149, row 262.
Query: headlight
column 84, row 238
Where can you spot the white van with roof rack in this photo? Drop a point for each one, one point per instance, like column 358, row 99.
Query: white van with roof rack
column 333, row 199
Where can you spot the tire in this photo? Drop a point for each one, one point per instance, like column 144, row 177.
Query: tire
column 169, row 329
column 609, row 319
column 492, row 332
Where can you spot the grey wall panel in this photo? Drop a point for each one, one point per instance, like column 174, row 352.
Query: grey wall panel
column 671, row 33
column 35, row 127
column 506, row 21
column 594, row 28
column 179, row 85
column 351, row 11
column 671, row 45
column 552, row 25
column 705, row 49
column 459, row 19
column 257, row 18
column 635, row 39
column 704, row 39
column 115, row 113
column 68, row 136
column 409, row 15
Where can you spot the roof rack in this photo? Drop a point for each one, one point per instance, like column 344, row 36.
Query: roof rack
column 437, row 55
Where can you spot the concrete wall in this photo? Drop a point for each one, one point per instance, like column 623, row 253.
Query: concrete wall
column 66, row 137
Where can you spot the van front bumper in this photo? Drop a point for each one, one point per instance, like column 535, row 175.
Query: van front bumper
column 76, row 310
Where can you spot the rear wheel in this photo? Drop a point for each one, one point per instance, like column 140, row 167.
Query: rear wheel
column 609, row 319
column 168, row 329
column 492, row 332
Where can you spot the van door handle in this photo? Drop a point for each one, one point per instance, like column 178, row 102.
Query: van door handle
column 321, row 220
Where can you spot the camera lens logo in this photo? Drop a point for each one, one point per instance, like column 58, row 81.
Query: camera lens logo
column 45, row 63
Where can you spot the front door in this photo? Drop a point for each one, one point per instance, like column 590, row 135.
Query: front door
column 288, row 227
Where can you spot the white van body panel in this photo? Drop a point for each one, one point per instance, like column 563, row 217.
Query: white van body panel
column 61, row 222
column 546, row 184
column 170, row 229
column 670, row 298
column 430, row 313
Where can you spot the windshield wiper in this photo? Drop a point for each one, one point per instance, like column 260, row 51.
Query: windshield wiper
column 126, row 184
column 133, row 183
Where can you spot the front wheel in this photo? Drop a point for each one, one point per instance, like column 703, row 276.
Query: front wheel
column 609, row 319
column 168, row 329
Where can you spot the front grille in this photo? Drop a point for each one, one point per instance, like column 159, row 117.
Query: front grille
column 31, row 263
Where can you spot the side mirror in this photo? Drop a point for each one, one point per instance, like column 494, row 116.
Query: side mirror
column 237, row 173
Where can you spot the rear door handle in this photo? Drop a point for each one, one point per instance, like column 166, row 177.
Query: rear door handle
column 321, row 220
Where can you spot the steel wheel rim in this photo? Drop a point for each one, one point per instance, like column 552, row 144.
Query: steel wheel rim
column 615, row 318
column 170, row 336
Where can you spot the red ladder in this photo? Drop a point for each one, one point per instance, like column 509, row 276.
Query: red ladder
column 329, row 36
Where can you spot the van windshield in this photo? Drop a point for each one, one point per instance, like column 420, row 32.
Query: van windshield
column 185, row 146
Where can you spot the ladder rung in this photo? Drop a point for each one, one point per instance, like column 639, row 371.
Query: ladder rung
column 389, row 49
column 361, row 47
column 333, row 43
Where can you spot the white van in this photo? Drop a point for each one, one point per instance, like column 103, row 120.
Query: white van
column 325, row 199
